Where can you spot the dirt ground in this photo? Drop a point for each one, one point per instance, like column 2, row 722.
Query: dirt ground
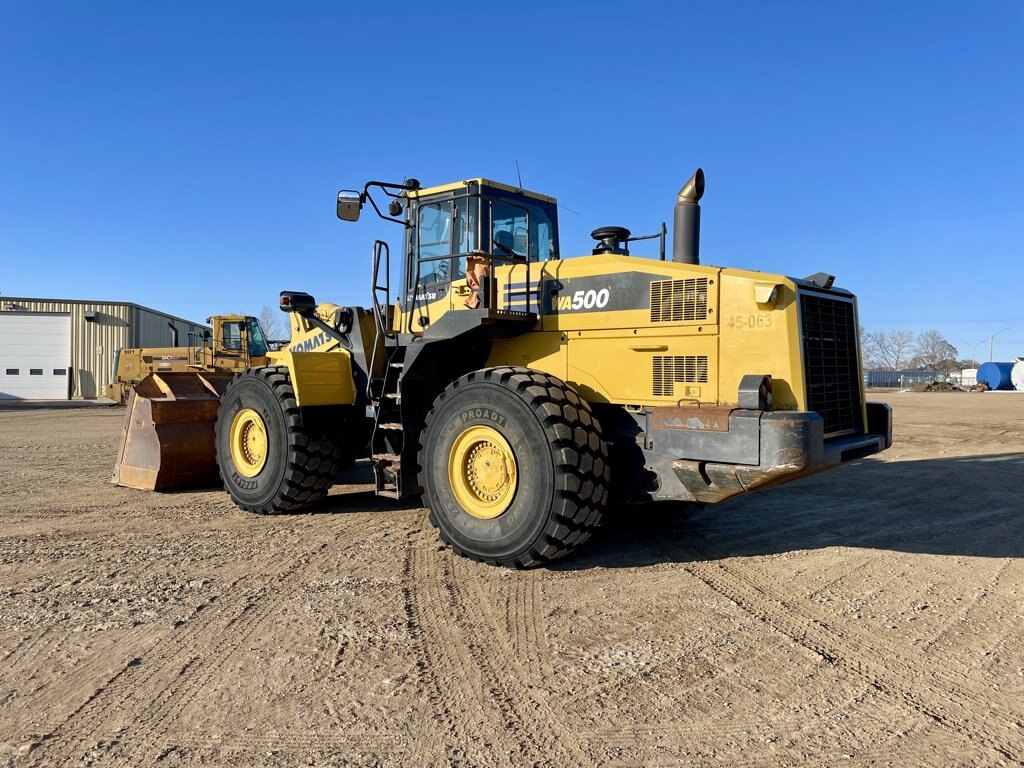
column 871, row 615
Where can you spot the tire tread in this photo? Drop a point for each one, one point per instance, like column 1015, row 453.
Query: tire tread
column 310, row 466
column 582, row 471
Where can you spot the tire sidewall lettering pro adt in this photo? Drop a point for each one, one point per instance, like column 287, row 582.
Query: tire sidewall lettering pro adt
column 496, row 407
column 255, row 394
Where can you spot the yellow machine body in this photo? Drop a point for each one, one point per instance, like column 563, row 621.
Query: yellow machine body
column 235, row 343
column 168, row 436
column 660, row 336
column 667, row 348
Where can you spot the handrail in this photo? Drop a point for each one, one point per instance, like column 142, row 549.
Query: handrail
column 380, row 247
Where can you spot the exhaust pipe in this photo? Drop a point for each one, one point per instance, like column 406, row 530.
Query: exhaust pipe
column 686, row 221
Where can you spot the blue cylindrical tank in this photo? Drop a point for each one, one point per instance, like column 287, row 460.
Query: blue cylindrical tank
column 996, row 375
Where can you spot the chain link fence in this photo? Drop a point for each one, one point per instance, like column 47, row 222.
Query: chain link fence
column 899, row 379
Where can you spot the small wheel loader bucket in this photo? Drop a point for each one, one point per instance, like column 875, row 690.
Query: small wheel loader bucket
column 168, row 436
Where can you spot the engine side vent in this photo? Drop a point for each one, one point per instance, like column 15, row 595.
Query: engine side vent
column 673, row 301
column 670, row 370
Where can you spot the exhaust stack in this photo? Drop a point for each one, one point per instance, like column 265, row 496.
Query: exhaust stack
column 686, row 221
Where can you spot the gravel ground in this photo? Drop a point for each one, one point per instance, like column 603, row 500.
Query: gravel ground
column 871, row 615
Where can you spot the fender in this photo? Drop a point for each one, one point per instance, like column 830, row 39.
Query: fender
column 319, row 378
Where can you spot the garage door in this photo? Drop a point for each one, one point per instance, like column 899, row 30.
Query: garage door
column 35, row 355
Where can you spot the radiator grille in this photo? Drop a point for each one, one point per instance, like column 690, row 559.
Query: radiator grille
column 678, row 300
column 830, row 361
column 670, row 370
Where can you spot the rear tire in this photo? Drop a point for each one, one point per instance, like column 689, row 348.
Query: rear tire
column 266, row 461
column 558, row 467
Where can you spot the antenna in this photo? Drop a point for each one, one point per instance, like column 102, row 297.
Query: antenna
column 520, row 176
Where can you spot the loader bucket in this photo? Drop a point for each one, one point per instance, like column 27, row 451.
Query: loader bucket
column 168, row 436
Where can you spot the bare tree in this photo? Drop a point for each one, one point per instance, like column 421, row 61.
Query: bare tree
column 887, row 349
column 270, row 321
column 933, row 352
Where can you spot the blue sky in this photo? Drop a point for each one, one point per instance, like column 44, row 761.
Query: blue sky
column 185, row 155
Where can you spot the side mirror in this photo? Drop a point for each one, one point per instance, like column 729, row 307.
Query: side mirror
column 349, row 204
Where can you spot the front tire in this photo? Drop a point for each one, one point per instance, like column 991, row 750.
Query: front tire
column 514, row 467
column 267, row 462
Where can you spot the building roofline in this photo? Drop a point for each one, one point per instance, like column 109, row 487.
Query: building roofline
column 132, row 304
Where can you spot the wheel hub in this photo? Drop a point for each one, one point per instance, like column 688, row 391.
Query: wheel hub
column 482, row 472
column 248, row 442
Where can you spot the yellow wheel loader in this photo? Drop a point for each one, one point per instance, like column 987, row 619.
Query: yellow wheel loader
column 520, row 393
column 236, row 343
column 172, row 394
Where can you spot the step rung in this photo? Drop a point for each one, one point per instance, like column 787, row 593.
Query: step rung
column 392, row 457
column 390, row 425
column 396, row 396
column 397, row 365
column 388, row 493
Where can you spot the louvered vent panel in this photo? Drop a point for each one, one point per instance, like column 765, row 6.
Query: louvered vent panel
column 673, row 301
column 670, row 370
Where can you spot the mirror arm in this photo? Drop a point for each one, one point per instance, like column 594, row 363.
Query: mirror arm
column 369, row 197
column 385, row 187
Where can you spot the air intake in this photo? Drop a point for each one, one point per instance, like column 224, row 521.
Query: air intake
column 670, row 370
column 831, row 370
column 674, row 301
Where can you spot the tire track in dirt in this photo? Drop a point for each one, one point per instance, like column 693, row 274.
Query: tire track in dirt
column 425, row 744
column 524, row 623
column 521, row 693
column 178, row 667
column 642, row 677
column 302, row 742
column 964, row 613
column 89, row 718
column 857, row 568
column 444, row 656
column 864, row 642
column 483, row 699
column 952, row 707
column 62, row 698
column 79, row 448
column 20, row 642
column 157, row 720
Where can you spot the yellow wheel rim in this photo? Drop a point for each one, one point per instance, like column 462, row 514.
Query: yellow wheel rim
column 482, row 472
column 248, row 442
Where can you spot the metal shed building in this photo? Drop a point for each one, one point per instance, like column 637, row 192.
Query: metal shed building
column 65, row 348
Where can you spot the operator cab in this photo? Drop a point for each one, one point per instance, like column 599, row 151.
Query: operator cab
column 238, row 336
column 451, row 222
column 468, row 245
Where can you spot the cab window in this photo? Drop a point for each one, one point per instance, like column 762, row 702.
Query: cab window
column 257, row 341
column 231, row 336
column 543, row 238
column 434, row 240
column 465, row 233
column 523, row 229
column 510, row 235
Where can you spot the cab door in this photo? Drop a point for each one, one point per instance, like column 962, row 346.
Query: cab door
column 445, row 234
column 428, row 294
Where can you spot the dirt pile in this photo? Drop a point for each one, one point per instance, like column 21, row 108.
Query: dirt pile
column 937, row 386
